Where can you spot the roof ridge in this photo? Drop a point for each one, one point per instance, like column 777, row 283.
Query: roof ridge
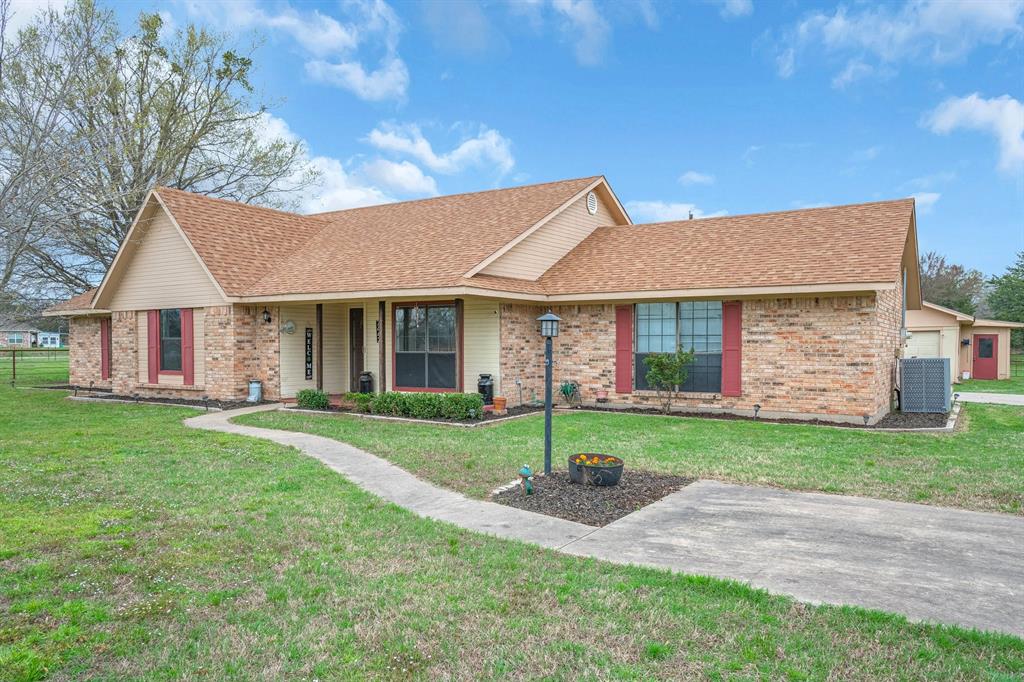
column 766, row 213
column 233, row 202
column 457, row 194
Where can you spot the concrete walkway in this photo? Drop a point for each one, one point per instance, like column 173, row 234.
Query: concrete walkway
column 928, row 563
column 991, row 398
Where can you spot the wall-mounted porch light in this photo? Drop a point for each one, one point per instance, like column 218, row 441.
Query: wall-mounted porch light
column 266, row 316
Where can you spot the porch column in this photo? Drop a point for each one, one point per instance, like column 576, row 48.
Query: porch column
column 382, row 344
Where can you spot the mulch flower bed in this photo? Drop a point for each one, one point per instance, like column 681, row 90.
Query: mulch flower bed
column 592, row 505
column 186, row 402
column 893, row 420
column 488, row 415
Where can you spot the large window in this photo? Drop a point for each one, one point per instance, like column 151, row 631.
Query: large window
column 425, row 346
column 170, row 340
column 691, row 325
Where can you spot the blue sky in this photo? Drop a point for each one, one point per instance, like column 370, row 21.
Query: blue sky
column 717, row 107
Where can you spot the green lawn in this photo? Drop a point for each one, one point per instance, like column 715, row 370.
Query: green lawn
column 1012, row 385
column 34, row 368
column 131, row 547
column 980, row 467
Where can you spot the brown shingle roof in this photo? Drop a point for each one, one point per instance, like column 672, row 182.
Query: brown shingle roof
column 239, row 243
column 413, row 244
column 80, row 302
column 432, row 243
column 859, row 243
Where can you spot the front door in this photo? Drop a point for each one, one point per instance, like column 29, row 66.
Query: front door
column 355, row 346
column 986, row 354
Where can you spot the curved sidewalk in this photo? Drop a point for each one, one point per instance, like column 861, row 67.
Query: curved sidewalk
column 928, row 563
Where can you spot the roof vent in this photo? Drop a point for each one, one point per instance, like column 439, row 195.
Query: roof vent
column 591, row 203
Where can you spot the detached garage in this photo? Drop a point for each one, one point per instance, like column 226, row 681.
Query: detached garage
column 977, row 348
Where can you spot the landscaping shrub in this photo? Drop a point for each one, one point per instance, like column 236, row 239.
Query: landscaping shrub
column 457, row 406
column 312, row 399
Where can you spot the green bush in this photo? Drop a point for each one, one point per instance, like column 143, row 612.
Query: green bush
column 457, row 406
column 312, row 399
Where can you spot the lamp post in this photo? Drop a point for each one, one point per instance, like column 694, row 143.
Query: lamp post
column 549, row 330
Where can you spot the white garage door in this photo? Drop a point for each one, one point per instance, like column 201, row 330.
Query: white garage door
column 923, row 345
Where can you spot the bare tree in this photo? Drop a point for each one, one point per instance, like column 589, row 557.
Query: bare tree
column 101, row 118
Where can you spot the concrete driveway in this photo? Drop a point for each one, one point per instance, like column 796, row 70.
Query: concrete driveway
column 992, row 398
column 929, row 563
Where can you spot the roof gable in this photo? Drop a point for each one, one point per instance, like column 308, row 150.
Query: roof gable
column 529, row 255
column 157, row 267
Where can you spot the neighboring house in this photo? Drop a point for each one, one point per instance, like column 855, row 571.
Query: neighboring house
column 977, row 348
column 50, row 340
column 797, row 312
column 17, row 335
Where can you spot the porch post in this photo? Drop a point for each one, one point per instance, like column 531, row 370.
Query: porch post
column 319, row 346
column 382, row 346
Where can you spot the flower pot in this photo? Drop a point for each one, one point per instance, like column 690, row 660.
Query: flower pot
column 607, row 471
column 601, row 396
column 499, row 404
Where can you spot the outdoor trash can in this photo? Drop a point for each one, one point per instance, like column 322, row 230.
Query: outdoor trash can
column 366, row 382
column 255, row 391
column 486, row 388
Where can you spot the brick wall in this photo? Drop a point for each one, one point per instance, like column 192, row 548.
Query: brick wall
column 829, row 356
column 239, row 346
column 84, row 353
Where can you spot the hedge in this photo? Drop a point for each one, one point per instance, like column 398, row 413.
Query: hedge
column 458, row 406
column 312, row 399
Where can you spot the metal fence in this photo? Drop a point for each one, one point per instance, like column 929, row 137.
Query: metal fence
column 33, row 366
column 1017, row 365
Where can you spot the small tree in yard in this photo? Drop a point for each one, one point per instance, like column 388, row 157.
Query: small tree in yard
column 665, row 372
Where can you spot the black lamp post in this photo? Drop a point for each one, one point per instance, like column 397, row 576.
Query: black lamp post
column 549, row 330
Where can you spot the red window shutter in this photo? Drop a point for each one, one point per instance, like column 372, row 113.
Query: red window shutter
column 624, row 349
column 188, row 361
column 104, row 349
column 732, row 346
column 153, row 343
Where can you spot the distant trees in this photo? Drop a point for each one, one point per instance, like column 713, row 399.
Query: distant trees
column 1006, row 297
column 951, row 285
column 91, row 119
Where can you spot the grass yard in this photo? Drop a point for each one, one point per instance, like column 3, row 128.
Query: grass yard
column 1014, row 384
column 131, row 547
column 34, row 367
column 981, row 467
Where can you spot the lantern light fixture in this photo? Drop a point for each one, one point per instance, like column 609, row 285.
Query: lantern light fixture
column 549, row 324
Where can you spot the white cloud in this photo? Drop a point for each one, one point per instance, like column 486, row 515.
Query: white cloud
column 389, row 81
column 337, row 188
column 732, row 9
column 403, row 178
column 1001, row 117
column 925, row 201
column 866, row 154
column 933, row 30
column 586, row 27
column 926, row 182
column 331, row 45
column 692, row 177
column 665, row 211
column 855, row 70
column 486, row 149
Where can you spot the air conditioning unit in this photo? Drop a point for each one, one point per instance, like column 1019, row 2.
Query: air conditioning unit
column 925, row 385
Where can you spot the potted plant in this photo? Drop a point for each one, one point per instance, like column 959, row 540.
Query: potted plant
column 500, row 402
column 592, row 468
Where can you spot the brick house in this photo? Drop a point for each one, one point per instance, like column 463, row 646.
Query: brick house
column 799, row 312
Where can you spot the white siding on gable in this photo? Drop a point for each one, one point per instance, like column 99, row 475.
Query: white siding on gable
column 481, row 344
column 162, row 272
column 531, row 258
